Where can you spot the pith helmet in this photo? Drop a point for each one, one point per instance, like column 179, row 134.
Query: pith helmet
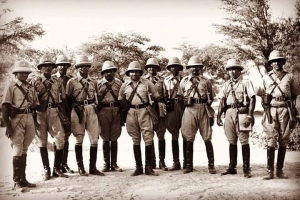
column 152, row 62
column 276, row 55
column 62, row 60
column 174, row 61
column 107, row 65
column 233, row 63
column 46, row 59
column 82, row 61
column 194, row 61
column 21, row 66
column 134, row 65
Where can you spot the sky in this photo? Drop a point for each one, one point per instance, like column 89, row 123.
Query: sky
column 166, row 22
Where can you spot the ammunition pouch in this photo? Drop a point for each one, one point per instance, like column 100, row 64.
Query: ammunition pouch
column 243, row 110
column 80, row 112
column 266, row 99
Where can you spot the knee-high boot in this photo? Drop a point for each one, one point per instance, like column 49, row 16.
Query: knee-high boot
column 138, row 160
column 45, row 160
column 270, row 158
column 175, row 150
column 23, row 172
column 93, row 159
column 162, row 154
column 184, row 153
column 233, row 160
column 64, row 163
column 280, row 162
column 210, row 157
column 114, row 154
column 246, row 160
column 153, row 161
column 79, row 159
column 57, row 164
column 17, row 172
column 189, row 157
column 149, row 157
column 106, row 156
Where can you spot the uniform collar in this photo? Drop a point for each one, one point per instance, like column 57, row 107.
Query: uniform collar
column 80, row 77
column 190, row 77
column 44, row 78
column 106, row 81
column 18, row 82
column 142, row 80
column 235, row 80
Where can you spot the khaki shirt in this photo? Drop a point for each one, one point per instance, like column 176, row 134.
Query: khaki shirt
column 64, row 79
column 169, row 85
column 14, row 96
column 115, row 86
column 241, row 87
column 157, row 81
column 203, row 91
column 76, row 90
column 144, row 88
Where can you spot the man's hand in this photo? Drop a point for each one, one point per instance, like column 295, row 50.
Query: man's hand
column 219, row 121
column 9, row 131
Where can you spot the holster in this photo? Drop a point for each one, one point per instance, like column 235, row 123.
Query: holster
column 153, row 115
column 170, row 106
column 12, row 112
column 123, row 109
column 43, row 106
column 266, row 100
column 62, row 113
column 292, row 115
column 79, row 109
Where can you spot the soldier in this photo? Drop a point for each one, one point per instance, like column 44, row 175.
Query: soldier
column 50, row 93
column 81, row 92
column 62, row 63
column 152, row 67
column 239, row 97
column 277, row 92
column 18, row 106
column 140, row 116
column 198, row 94
column 110, row 120
column 174, row 108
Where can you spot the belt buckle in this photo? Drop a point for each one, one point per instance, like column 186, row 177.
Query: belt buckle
column 27, row 111
column 137, row 106
column 111, row 104
column 197, row 100
column 176, row 100
column 233, row 105
column 85, row 102
column 49, row 105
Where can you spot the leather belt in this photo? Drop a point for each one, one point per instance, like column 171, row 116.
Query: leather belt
column 175, row 100
column 52, row 105
column 281, row 98
column 25, row 111
column 111, row 104
column 138, row 106
column 279, row 106
column 198, row 100
column 236, row 105
column 86, row 102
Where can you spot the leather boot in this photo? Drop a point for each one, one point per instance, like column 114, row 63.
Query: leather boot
column 189, row 157
column 162, row 153
column 138, row 159
column 23, row 174
column 149, row 157
column 93, row 159
column 153, row 161
column 17, row 172
column 64, row 166
column 175, row 150
column 184, row 153
column 246, row 160
column 45, row 160
column 57, row 164
column 106, row 156
column 210, row 157
column 280, row 162
column 79, row 159
column 233, row 160
column 114, row 154
column 270, row 158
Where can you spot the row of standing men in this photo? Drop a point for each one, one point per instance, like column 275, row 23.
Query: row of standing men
column 147, row 104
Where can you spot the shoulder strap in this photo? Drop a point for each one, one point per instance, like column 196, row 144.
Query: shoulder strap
column 133, row 92
column 25, row 95
column 175, row 88
column 48, row 88
column 276, row 84
column 85, row 89
column 108, row 87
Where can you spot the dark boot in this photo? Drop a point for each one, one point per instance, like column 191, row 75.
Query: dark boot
column 149, row 157
column 189, row 157
column 114, row 154
column 106, row 156
column 162, row 153
column 57, row 164
column 17, row 172
column 79, row 159
column 23, row 174
column 138, row 160
column 184, row 153
column 153, row 161
column 280, row 162
column 210, row 157
column 246, row 160
column 64, row 166
column 175, row 150
column 233, row 160
column 93, row 159
column 270, row 157
column 45, row 160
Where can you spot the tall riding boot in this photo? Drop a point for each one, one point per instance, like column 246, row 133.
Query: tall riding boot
column 93, row 159
column 153, row 161
column 106, row 156
column 23, row 174
column 162, row 154
column 149, row 157
column 57, row 164
column 246, row 160
column 189, row 157
column 64, row 166
column 79, row 159
column 210, row 157
column 114, row 154
column 271, row 155
column 17, row 172
column 45, row 160
column 184, row 153
column 138, row 160
column 280, row 162
column 233, row 160
column 175, row 150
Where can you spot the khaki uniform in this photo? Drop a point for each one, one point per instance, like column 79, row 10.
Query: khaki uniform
column 23, row 125
column 49, row 121
column 90, row 120
column 242, row 88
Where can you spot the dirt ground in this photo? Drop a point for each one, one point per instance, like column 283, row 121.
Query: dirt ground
column 168, row 185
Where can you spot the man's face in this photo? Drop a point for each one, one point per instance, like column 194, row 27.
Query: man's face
column 135, row 75
column 109, row 74
column 196, row 70
column 152, row 70
column 84, row 69
column 47, row 69
column 234, row 72
column 277, row 65
column 62, row 68
column 22, row 76
column 174, row 70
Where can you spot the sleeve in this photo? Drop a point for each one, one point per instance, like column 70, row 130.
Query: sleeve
column 35, row 97
column 122, row 92
column 164, row 89
column 7, row 95
column 153, row 89
column 261, row 88
column 69, row 88
column 222, row 91
column 295, row 86
column 249, row 89
column 211, row 90
column 181, row 88
column 63, row 91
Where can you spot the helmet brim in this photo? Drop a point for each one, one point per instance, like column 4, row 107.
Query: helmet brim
column 277, row 58
column 156, row 66
column 63, row 63
column 83, row 64
column 180, row 66
column 239, row 67
column 103, row 71
column 47, row 63
column 128, row 71
column 194, row 65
